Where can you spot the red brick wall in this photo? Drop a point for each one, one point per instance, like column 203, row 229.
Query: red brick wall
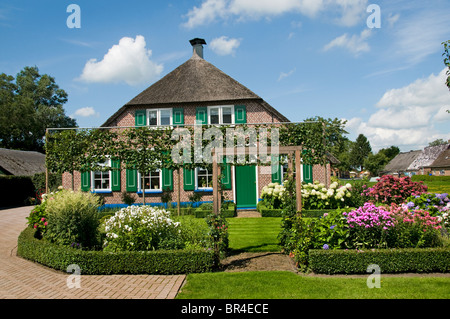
column 256, row 113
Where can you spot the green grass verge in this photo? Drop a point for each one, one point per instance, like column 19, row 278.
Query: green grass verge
column 254, row 234
column 287, row 285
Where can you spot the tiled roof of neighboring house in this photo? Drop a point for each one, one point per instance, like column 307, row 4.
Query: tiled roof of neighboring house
column 427, row 157
column 21, row 163
column 401, row 162
column 443, row 160
column 196, row 80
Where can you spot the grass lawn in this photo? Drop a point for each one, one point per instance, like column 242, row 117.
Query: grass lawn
column 260, row 234
column 287, row 285
column 254, row 234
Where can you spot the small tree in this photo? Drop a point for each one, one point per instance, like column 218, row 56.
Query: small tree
column 361, row 149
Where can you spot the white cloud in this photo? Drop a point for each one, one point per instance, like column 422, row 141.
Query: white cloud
column 349, row 12
column 224, row 45
column 407, row 116
column 129, row 62
column 285, row 75
column 355, row 43
column 85, row 112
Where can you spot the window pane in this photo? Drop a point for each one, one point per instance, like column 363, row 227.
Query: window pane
column 214, row 116
column 226, row 115
column 165, row 117
column 153, row 118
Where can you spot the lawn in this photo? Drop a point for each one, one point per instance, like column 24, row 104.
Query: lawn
column 288, row 285
column 260, row 234
column 254, row 234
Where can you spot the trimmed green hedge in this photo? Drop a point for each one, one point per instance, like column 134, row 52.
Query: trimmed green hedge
column 415, row 260
column 270, row 212
column 430, row 178
column 104, row 263
column 202, row 213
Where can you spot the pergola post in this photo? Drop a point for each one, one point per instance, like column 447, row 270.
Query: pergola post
column 298, row 180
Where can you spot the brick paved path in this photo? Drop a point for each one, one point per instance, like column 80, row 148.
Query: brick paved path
column 22, row 279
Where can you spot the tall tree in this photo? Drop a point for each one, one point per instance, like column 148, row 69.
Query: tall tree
column 446, row 56
column 390, row 152
column 28, row 106
column 361, row 149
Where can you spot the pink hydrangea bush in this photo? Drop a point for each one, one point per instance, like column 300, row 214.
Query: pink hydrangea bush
column 390, row 189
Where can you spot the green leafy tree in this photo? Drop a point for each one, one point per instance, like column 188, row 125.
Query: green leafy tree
column 390, row 152
column 437, row 142
column 361, row 149
column 446, row 56
column 29, row 104
column 374, row 163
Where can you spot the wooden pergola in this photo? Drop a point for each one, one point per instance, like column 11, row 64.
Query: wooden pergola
column 291, row 151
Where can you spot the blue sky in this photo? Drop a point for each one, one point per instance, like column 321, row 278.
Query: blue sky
column 305, row 58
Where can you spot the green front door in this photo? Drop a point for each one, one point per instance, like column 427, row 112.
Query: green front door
column 245, row 186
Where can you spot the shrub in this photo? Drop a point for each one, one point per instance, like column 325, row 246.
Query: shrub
column 140, row 228
column 417, row 260
column 72, row 218
column 218, row 231
column 391, row 189
column 317, row 196
column 107, row 263
column 38, row 220
column 434, row 203
column 272, row 194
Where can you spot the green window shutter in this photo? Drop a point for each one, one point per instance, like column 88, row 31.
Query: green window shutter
column 115, row 175
column 188, row 179
column 85, row 181
column 167, row 179
column 276, row 169
column 131, row 176
column 226, row 172
column 307, row 173
column 140, row 118
column 178, row 116
column 201, row 115
column 240, row 114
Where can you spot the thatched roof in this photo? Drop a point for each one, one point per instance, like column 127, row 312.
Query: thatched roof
column 427, row 157
column 443, row 160
column 21, row 163
column 194, row 81
column 401, row 162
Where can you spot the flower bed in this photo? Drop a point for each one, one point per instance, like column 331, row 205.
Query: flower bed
column 91, row 262
column 67, row 228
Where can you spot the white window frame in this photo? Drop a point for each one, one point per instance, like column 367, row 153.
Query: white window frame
column 150, row 190
column 158, row 116
column 198, row 187
column 220, row 107
column 106, row 163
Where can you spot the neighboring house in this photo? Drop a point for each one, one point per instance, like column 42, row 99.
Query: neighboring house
column 21, row 163
column 420, row 166
column 441, row 165
column 196, row 90
column 398, row 166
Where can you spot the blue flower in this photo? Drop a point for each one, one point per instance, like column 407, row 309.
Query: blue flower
column 332, row 226
column 325, row 247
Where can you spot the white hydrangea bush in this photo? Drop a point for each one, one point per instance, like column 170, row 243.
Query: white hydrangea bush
column 272, row 194
column 317, row 196
column 140, row 228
